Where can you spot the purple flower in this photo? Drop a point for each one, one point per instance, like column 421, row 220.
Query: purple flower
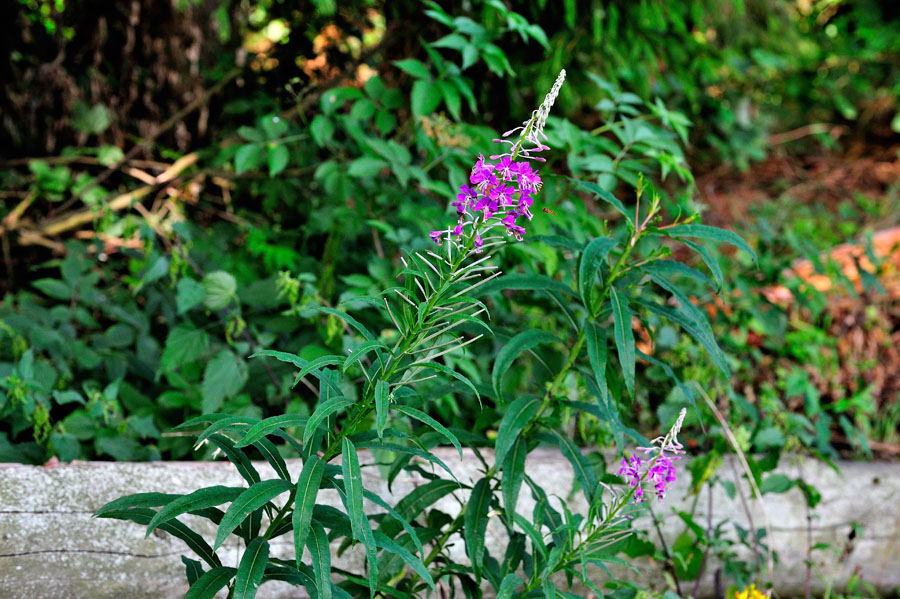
column 661, row 473
column 660, row 469
column 502, row 194
column 481, row 172
column 436, row 236
column 465, row 199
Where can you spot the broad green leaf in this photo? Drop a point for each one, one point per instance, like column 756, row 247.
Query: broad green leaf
column 210, row 583
column 359, row 522
column 596, row 250
column 282, row 356
column 428, row 420
column 305, row 500
column 624, row 336
column 323, row 411
column 382, row 406
column 712, row 234
column 223, row 378
column 270, row 426
column 278, row 159
column 385, row 542
column 189, row 293
column 248, row 501
column 248, row 157
column 476, row 519
column 221, row 289
column 251, row 569
column 320, row 555
column 414, row 67
column 513, row 475
column 184, row 344
column 522, row 342
column 606, row 197
column 517, row 415
column 424, row 97
column 198, row 500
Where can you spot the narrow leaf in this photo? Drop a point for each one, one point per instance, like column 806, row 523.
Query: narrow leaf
column 210, row 583
column 476, row 519
column 624, row 336
column 382, row 406
column 517, row 415
column 513, row 475
column 305, row 500
column 320, row 554
column 385, row 542
column 522, row 342
column 251, row 569
column 359, row 522
column 428, row 420
column 198, row 500
column 270, row 426
column 250, row 500
column 596, row 250
column 712, row 234
column 323, row 411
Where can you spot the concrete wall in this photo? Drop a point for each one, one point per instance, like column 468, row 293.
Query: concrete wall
column 50, row 547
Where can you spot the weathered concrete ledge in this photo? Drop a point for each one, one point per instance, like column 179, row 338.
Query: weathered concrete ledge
column 51, row 548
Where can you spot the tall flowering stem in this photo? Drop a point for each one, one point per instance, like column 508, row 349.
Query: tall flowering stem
column 501, row 190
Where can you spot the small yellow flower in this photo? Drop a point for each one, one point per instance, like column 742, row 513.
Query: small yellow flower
column 749, row 593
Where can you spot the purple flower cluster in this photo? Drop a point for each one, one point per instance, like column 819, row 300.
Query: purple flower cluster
column 660, row 469
column 501, row 190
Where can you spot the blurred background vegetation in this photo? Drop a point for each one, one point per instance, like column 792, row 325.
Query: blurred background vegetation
column 181, row 181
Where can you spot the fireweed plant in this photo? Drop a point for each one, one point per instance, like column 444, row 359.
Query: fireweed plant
column 367, row 400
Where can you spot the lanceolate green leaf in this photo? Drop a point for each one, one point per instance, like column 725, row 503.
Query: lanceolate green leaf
column 389, row 530
column 270, row 452
column 711, row 263
column 137, row 500
column 670, row 268
column 476, row 519
column 270, row 426
column 428, row 420
column 318, row 363
column 382, row 406
column 305, row 500
column 193, row 569
column 358, row 519
column 362, row 350
column 712, row 234
column 513, row 475
column 323, row 411
column 237, row 457
column 385, row 542
column 423, row 496
column 351, row 321
column 517, row 415
column 251, row 569
column 532, row 282
column 606, row 197
column 522, row 342
column 198, row 500
column 248, row 501
column 624, row 336
column 210, row 583
column 596, row 350
column 195, row 542
column 320, row 554
column 583, row 471
column 508, row 586
column 454, row 374
column 695, row 330
column 596, row 249
column 415, row 451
